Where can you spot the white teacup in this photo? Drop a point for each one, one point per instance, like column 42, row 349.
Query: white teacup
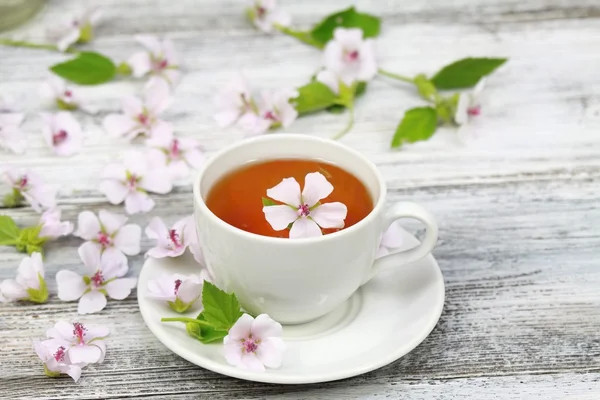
column 298, row 280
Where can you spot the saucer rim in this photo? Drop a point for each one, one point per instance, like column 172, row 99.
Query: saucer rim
column 271, row 376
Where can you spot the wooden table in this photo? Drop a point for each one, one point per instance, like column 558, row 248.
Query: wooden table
column 519, row 212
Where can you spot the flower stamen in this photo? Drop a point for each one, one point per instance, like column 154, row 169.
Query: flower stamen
column 249, row 345
column 304, row 210
column 174, row 237
column 97, row 279
column 79, row 331
column 60, row 354
column 177, row 284
column 104, row 239
column 59, row 137
column 175, row 150
column 474, row 111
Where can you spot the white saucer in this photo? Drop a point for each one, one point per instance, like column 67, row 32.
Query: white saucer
column 381, row 322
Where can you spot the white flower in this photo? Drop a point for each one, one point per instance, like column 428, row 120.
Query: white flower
column 75, row 30
column 274, row 110
column 109, row 235
column 29, row 185
column 469, row 104
column 303, row 210
column 101, row 279
column 391, row 239
column 234, row 101
column 160, row 60
column 54, row 355
column 83, row 344
column 254, row 344
column 62, row 133
column 180, row 291
column 140, row 117
column 11, row 136
column 131, row 181
column 30, row 284
column 55, row 91
column 350, row 57
column 265, row 14
column 52, row 226
column 170, row 242
column 180, row 154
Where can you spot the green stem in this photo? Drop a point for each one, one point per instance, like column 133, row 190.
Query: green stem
column 304, row 37
column 22, row 43
column 396, row 76
column 349, row 125
column 183, row 319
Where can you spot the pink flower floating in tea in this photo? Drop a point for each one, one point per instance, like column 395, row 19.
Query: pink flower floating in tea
column 100, row 279
column 303, row 209
column 254, row 344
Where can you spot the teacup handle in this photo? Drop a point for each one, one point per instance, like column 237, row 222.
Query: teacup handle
column 406, row 210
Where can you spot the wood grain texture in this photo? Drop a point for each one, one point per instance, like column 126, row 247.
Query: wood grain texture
column 518, row 209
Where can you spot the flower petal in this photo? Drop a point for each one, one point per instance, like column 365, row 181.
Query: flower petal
column 151, row 43
column 330, row 79
column 287, row 191
column 91, row 302
column 304, row 228
column 330, row 215
column 253, row 124
column 11, row 290
column 232, row 350
column 88, row 225
column 316, row 187
column 89, row 252
column 264, row 327
column 111, row 222
column 70, row 285
column 61, row 330
column 88, row 354
column 270, row 352
column 128, row 239
column 158, row 96
column 137, row 202
column 115, row 191
column 157, row 180
column 68, row 39
column 140, row 64
column 190, row 290
column 461, row 116
column 227, row 117
column 242, row 328
column 120, row 288
column 157, row 230
column 250, row 362
column 95, row 332
column 114, row 257
column 74, row 371
column 279, row 217
column 118, row 124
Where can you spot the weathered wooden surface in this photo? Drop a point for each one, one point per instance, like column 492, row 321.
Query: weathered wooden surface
column 519, row 211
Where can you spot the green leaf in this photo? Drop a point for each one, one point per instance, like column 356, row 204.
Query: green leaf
column 210, row 334
column 9, row 231
column 349, row 18
column 88, row 68
column 38, row 295
column 268, row 202
column 221, row 309
column 313, row 96
column 417, row 124
column 425, row 87
column 465, row 73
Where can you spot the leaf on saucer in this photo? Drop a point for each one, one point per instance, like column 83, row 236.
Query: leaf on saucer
column 221, row 309
column 207, row 334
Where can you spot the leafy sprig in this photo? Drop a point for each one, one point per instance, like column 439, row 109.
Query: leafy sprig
column 25, row 240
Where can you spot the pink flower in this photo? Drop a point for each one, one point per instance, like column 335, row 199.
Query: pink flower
column 170, row 242
column 274, row 110
column 254, row 344
column 54, row 355
column 11, row 136
column 29, row 284
column 265, row 14
column 101, row 279
column 140, row 117
column 469, row 104
column 62, row 133
column 350, row 57
column 83, row 344
column 234, row 101
column 75, row 30
column 52, row 226
column 30, row 186
column 109, row 235
column 390, row 240
column 159, row 60
column 179, row 154
column 56, row 91
column 179, row 291
column 304, row 210
column 132, row 180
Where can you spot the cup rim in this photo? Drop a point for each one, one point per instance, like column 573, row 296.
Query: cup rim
column 199, row 201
